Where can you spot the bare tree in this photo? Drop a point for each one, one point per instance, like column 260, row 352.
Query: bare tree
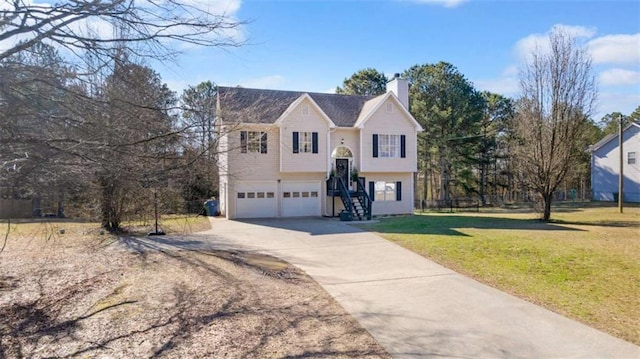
column 151, row 28
column 558, row 94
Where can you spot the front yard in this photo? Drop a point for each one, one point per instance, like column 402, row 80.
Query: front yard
column 584, row 265
column 85, row 294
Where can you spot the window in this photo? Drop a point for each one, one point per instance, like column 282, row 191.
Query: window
column 305, row 142
column 260, row 194
column 270, row 194
column 314, row 194
column 251, row 195
column 240, row 195
column 286, row 194
column 389, row 146
column 386, row 191
column 631, row 158
column 253, row 142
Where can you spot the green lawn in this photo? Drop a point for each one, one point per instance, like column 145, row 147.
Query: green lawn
column 585, row 264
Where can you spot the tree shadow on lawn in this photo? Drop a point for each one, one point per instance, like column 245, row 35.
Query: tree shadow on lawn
column 448, row 225
column 618, row 224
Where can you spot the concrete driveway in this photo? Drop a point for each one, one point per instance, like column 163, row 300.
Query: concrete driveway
column 414, row 307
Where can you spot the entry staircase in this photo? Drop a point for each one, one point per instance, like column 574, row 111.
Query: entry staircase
column 356, row 202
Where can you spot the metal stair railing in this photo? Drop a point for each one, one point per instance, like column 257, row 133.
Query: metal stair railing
column 364, row 198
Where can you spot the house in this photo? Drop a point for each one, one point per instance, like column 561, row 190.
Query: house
column 605, row 166
column 288, row 154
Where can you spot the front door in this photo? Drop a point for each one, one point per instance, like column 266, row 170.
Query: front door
column 342, row 169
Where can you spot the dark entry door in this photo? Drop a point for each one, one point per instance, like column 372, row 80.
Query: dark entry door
column 342, row 169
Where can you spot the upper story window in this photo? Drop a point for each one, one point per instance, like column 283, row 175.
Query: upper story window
column 305, row 142
column 253, row 142
column 631, row 158
column 389, row 146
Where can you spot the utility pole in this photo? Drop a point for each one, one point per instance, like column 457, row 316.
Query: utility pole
column 621, row 175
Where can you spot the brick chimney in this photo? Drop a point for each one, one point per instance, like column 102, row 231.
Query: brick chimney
column 400, row 87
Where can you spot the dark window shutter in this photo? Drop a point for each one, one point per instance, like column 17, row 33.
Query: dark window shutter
column 296, row 142
column 243, row 141
column 314, row 142
column 398, row 191
column 375, row 145
column 263, row 142
column 403, row 146
column 372, row 190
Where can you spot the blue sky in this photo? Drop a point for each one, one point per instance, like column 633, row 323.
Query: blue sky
column 314, row 45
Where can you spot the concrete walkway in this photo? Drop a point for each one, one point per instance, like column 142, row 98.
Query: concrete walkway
column 414, row 307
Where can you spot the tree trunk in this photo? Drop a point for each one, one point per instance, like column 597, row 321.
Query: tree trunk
column 110, row 213
column 546, row 214
column 444, row 177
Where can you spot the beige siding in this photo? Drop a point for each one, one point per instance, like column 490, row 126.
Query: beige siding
column 351, row 139
column 394, row 123
column 223, row 193
column 381, row 208
column 405, row 206
column 223, row 152
column 254, row 166
column 297, row 121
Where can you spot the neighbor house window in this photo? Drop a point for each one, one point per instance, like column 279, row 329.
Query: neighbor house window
column 386, row 191
column 389, row 146
column 631, row 158
column 253, row 142
column 305, row 142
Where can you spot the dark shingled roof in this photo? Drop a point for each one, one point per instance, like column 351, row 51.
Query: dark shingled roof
column 266, row 106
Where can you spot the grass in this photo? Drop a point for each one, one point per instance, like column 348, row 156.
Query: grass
column 69, row 229
column 585, row 264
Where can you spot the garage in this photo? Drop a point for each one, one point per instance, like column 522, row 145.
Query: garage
column 256, row 199
column 300, row 199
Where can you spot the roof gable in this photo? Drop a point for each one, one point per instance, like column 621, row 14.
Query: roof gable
column 267, row 106
column 297, row 103
column 611, row 137
column 374, row 105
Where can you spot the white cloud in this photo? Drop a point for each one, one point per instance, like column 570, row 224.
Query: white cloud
column 615, row 77
column 266, row 82
column 540, row 42
column 445, row 3
column 617, row 49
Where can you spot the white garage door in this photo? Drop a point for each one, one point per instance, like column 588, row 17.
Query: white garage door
column 300, row 199
column 256, row 199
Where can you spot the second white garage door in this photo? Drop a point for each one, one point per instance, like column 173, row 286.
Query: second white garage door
column 300, row 199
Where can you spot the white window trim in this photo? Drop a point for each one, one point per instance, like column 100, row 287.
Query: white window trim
column 305, row 142
column 389, row 146
column 387, row 195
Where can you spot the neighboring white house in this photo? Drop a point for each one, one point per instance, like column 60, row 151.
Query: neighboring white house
column 282, row 153
column 605, row 166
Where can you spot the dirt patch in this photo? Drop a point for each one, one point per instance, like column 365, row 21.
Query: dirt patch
column 91, row 296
